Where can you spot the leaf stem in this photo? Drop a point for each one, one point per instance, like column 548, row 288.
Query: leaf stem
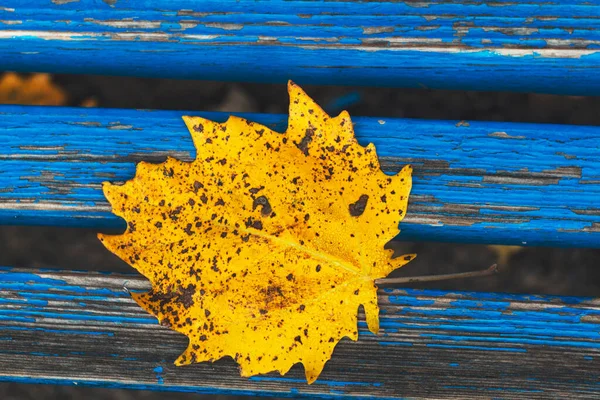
column 492, row 270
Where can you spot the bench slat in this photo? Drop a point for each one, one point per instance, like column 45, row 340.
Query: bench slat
column 479, row 182
column 83, row 329
column 517, row 45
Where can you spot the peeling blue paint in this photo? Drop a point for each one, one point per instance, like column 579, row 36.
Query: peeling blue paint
column 452, row 325
column 158, row 371
column 554, row 203
column 367, row 43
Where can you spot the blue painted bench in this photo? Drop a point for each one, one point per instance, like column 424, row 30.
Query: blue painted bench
column 476, row 182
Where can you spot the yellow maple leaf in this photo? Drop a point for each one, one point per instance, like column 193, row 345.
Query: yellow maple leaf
column 264, row 247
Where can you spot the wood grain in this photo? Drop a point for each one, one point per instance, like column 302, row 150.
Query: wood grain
column 83, row 329
column 516, row 45
column 478, row 182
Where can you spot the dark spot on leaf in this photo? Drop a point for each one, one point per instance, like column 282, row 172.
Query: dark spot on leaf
column 358, row 208
column 185, row 295
column 303, row 145
column 168, row 172
column 197, row 186
column 264, row 202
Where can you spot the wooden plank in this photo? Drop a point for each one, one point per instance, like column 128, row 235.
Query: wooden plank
column 83, row 329
column 478, row 182
column 518, row 45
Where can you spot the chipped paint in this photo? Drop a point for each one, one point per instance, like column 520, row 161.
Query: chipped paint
column 589, row 211
column 595, row 228
column 372, row 30
column 226, row 27
column 49, row 206
column 120, row 127
column 566, row 156
column 504, row 135
column 42, row 148
column 88, row 123
column 159, row 371
column 126, row 23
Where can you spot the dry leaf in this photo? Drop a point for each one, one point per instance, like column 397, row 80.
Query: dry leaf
column 37, row 89
column 265, row 246
column 504, row 253
column 89, row 102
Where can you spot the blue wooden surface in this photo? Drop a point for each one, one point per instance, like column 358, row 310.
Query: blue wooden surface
column 518, row 45
column 478, row 182
column 84, row 329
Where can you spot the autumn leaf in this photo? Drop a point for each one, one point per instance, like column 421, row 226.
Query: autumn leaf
column 36, row 89
column 264, row 247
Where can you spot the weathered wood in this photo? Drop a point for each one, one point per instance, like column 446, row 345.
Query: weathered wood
column 518, row 45
column 83, row 329
column 474, row 182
